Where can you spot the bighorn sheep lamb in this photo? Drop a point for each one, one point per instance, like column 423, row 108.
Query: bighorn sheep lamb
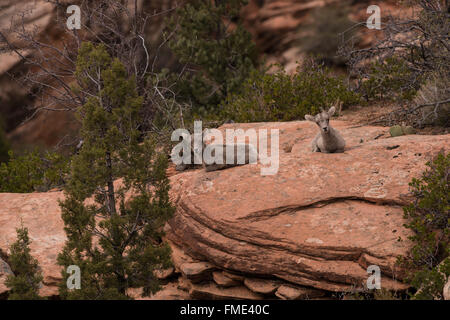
column 243, row 154
column 328, row 140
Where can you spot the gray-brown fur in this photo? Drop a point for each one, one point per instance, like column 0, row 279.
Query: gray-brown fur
column 241, row 147
column 328, row 140
column 238, row 147
column 185, row 166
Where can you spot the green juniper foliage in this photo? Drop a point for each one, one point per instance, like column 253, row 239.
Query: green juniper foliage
column 32, row 172
column 429, row 218
column 219, row 57
column 25, row 282
column 389, row 79
column 113, row 227
column 282, row 97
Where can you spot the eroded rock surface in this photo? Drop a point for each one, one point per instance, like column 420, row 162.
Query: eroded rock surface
column 288, row 292
column 262, row 286
column 320, row 221
column 313, row 227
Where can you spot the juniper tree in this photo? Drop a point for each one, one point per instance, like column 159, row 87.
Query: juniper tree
column 117, row 195
column 25, row 282
column 209, row 38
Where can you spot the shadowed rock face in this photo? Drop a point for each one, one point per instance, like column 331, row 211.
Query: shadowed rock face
column 317, row 224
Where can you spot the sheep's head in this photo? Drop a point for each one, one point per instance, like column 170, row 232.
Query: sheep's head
column 322, row 119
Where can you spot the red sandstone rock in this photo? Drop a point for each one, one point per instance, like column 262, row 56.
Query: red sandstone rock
column 286, row 292
column 41, row 214
column 263, row 286
column 234, row 276
column 164, row 274
column 197, row 271
column 212, row 291
column 318, row 223
column 222, row 280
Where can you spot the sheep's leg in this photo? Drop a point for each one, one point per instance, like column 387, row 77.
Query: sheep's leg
column 314, row 144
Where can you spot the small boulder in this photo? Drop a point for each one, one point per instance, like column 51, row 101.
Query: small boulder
column 197, row 271
column 212, row 291
column 5, row 271
column 163, row 274
column 287, row 292
column 233, row 276
column 263, row 286
column 222, row 280
column 184, row 284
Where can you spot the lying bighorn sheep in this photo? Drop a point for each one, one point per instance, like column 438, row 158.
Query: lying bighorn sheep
column 247, row 150
column 194, row 155
column 242, row 154
column 328, row 140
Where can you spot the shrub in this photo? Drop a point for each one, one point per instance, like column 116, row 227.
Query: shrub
column 210, row 39
column 282, row 97
column 389, row 79
column 411, row 52
column 32, row 172
column 25, row 282
column 428, row 217
column 432, row 101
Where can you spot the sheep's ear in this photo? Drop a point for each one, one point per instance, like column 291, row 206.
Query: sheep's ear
column 331, row 111
column 309, row 118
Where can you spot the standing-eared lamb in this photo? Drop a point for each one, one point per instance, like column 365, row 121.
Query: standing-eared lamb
column 328, row 140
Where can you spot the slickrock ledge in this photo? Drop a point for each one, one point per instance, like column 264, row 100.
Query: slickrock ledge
column 320, row 221
column 308, row 231
column 41, row 214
